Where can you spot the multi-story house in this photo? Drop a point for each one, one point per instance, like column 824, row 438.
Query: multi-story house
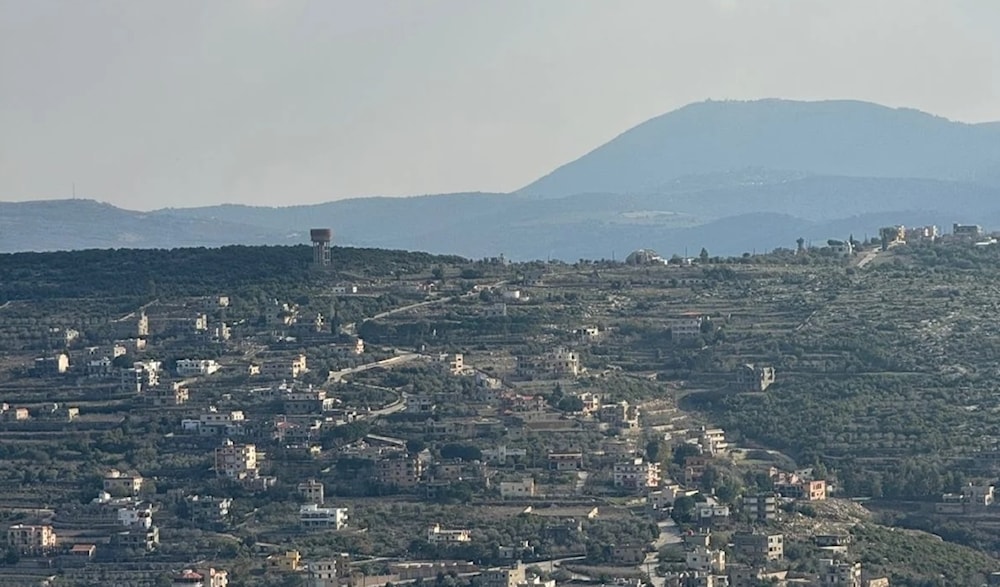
column 137, row 538
column 558, row 363
column 313, row 516
column 709, row 515
column 978, row 495
column 142, row 375
column 215, row 423
column 622, row 415
column 503, row 576
column 31, row 539
column 704, row 559
column 121, row 484
column 132, row 345
column 327, row 572
column 236, row 461
column 686, row 327
column 174, row 394
column 694, row 468
column 565, row 461
column 196, row 367
column 762, row 507
column 399, row 471
column 312, row 491
column 138, row 514
column 453, row 364
column 292, row 368
column 758, row 548
column 750, row 377
column 814, row 490
column 636, row 473
column 839, row 574
column 664, row 499
column 205, row 509
column 713, row 441
column 309, row 401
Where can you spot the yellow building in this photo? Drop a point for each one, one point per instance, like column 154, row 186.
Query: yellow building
column 31, row 539
column 121, row 484
column 289, row 562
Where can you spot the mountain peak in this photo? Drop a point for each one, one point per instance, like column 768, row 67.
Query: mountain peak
column 832, row 137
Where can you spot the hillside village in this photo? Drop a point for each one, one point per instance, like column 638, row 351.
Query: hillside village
column 473, row 422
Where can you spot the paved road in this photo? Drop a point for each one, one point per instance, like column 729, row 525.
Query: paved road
column 669, row 534
column 550, row 566
column 337, row 376
column 352, row 327
column 867, row 258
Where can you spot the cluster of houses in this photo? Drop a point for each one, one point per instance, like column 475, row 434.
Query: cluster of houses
column 891, row 236
column 119, row 510
column 242, row 442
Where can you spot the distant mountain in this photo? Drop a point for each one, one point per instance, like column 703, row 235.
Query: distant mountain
column 845, row 138
column 729, row 176
column 86, row 224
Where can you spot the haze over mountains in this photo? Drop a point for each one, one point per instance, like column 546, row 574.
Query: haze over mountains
column 730, row 176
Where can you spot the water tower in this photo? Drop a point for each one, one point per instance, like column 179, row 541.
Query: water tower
column 321, row 238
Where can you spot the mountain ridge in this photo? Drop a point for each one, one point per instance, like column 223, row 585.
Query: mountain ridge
column 732, row 176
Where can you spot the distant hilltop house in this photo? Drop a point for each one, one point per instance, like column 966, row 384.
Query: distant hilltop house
column 892, row 235
column 922, row 233
column 644, row 257
column 969, row 231
column 751, row 377
column 897, row 235
column 842, row 249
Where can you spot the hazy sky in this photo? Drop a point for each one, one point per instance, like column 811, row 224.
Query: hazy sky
column 150, row 104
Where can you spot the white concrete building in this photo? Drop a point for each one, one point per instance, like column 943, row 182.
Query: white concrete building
column 196, row 367
column 141, row 376
column 313, row 516
column 637, row 473
column 138, row 514
column 213, row 422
